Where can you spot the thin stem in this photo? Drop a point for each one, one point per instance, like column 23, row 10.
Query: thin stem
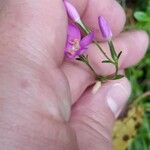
column 83, row 26
column 91, row 68
column 87, row 31
column 114, row 62
column 117, row 69
column 97, row 44
column 103, row 79
column 85, row 60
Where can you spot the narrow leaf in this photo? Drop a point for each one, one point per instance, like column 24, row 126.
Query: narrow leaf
column 119, row 54
column 106, row 61
column 87, row 57
column 79, row 59
column 118, row 77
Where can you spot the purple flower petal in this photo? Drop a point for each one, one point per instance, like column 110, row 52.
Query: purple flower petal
column 87, row 40
column 68, row 47
column 104, row 27
column 73, row 33
column 73, row 41
column 71, row 56
column 72, row 12
column 81, row 51
column 75, row 46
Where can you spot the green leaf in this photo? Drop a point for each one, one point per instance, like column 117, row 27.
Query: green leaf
column 141, row 16
column 119, row 54
column 87, row 57
column 106, row 61
column 119, row 76
column 79, row 59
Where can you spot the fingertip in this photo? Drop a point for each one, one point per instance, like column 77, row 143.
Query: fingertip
column 119, row 19
column 96, row 113
column 117, row 95
column 138, row 42
column 144, row 37
column 110, row 10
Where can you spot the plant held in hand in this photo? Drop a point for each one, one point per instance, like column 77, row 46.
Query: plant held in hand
column 76, row 47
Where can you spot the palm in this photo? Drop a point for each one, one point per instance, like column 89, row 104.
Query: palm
column 56, row 84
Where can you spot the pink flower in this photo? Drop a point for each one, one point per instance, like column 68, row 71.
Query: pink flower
column 104, row 27
column 75, row 45
column 72, row 12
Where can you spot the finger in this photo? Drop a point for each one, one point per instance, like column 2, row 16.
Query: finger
column 110, row 9
column 93, row 116
column 79, row 78
column 133, row 45
column 37, row 27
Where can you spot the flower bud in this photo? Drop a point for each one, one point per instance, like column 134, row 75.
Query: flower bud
column 72, row 12
column 105, row 28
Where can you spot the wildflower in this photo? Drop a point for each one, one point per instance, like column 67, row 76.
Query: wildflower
column 72, row 12
column 104, row 27
column 75, row 45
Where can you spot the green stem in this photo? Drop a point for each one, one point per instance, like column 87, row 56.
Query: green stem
column 91, row 68
column 114, row 62
column 117, row 69
column 84, row 27
column 85, row 60
column 87, row 31
column 99, row 47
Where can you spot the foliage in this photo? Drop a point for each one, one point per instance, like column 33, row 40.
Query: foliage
column 139, row 75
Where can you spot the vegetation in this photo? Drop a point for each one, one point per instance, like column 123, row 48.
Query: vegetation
column 138, row 16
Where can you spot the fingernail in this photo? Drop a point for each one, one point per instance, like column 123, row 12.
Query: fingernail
column 96, row 87
column 117, row 97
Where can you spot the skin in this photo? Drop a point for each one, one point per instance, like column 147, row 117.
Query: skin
column 38, row 87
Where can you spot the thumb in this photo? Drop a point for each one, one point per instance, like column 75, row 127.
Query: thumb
column 93, row 116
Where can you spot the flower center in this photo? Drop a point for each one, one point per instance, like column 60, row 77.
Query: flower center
column 75, row 46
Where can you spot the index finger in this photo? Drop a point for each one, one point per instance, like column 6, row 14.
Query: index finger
column 110, row 9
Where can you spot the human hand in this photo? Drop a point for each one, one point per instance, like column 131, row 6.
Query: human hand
column 39, row 88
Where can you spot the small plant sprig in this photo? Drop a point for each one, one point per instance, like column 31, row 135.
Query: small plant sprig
column 76, row 47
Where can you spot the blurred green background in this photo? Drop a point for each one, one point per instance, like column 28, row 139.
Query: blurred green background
column 138, row 16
